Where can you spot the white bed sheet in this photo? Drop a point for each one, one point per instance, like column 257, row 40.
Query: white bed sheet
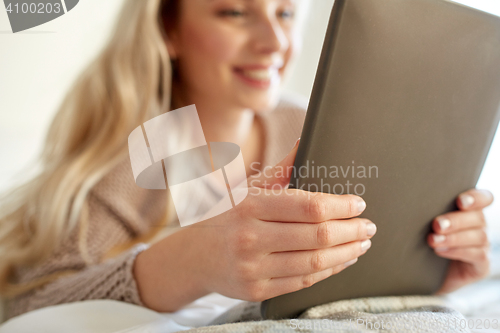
column 106, row 316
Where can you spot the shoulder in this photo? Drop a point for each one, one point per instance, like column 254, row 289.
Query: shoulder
column 291, row 105
column 289, row 114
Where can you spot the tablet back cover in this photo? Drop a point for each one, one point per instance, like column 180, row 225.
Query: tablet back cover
column 404, row 109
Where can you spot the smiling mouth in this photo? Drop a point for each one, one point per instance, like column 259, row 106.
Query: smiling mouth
column 258, row 74
column 257, row 77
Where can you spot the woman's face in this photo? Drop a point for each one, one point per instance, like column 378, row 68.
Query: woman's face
column 234, row 53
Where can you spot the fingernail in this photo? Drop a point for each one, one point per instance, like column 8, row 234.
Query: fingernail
column 466, row 200
column 439, row 238
column 371, row 228
column 441, row 249
column 486, row 193
column 444, row 223
column 296, row 143
column 361, row 206
column 365, row 245
column 350, row 262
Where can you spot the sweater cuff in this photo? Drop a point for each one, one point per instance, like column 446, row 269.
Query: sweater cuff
column 130, row 291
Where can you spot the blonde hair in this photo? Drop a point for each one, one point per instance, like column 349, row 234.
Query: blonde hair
column 126, row 85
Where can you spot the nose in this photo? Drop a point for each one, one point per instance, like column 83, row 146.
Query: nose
column 270, row 37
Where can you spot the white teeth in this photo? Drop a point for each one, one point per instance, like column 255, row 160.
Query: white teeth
column 259, row 74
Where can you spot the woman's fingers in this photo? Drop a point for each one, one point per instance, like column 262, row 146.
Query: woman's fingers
column 297, row 263
column 291, row 205
column 474, row 199
column 284, row 285
column 470, row 255
column 281, row 237
column 466, row 238
column 458, row 220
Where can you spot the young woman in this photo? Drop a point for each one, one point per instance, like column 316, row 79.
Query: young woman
column 228, row 57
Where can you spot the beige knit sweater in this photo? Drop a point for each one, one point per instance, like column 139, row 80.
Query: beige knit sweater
column 120, row 211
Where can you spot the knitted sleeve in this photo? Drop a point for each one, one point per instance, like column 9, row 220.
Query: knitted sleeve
column 112, row 279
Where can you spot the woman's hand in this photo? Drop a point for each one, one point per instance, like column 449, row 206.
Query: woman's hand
column 461, row 236
column 274, row 242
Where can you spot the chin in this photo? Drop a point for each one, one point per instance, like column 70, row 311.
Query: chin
column 261, row 104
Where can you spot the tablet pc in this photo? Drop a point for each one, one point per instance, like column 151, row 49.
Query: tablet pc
column 404, row 108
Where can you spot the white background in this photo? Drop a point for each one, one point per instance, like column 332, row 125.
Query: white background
column 37, row 67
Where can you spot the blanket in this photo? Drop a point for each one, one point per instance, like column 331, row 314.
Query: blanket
column 374, row 314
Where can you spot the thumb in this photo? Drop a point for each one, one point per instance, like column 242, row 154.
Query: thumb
column 277, row 175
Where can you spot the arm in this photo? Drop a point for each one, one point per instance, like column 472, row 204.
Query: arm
column 82, row 252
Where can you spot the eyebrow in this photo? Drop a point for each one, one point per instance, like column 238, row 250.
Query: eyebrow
column 293, row 1
column 243, row 0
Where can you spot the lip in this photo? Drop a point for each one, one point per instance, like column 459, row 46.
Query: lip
column 259, row 66
column 238, row 71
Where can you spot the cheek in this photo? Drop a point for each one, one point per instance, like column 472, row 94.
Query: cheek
column 294, row 48
column 211, row 44
column 296, row 43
